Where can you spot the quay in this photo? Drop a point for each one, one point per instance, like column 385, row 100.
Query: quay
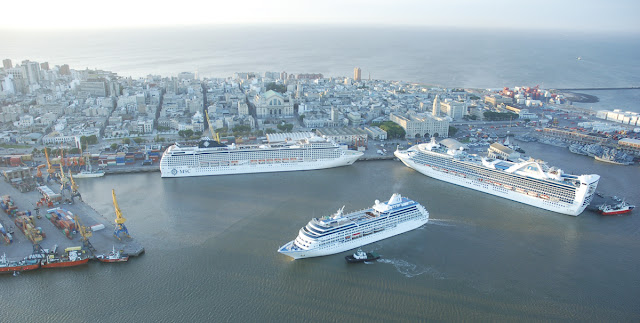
column 600, row 88
column 103, row 241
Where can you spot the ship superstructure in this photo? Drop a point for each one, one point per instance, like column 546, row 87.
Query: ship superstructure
column 530, row 181
column 341, row 232
column 213, row 158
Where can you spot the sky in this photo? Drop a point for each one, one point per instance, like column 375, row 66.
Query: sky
column 570, row 15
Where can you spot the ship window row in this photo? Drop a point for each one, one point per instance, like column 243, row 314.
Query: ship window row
column 564, row 192
column 366, row 229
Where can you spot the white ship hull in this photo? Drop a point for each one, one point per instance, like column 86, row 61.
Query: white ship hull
column 497, row 190
column 245, row 167
column 88, row 174
column 354, row 243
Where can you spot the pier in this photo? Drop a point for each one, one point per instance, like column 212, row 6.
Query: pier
column 102, row 240
column 599, row 88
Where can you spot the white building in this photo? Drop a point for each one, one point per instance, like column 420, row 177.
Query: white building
column 422, row 125
column 272, row 104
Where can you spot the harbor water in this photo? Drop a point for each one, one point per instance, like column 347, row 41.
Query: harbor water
column 211, row 253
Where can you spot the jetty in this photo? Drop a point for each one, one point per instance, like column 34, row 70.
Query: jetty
column 102, row 240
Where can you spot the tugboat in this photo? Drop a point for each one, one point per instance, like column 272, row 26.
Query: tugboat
column 361, row 256
column 7, row 266
column 620, row 208
column 113, row 256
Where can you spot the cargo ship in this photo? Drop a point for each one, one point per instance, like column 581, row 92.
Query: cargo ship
column 72, row 258
column 341, row 232
column 7, row 267
column 213, row 158
column 531, row 182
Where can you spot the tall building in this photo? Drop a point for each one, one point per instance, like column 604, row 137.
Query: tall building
column 64, row 70
column 357, row 74
column 44, row 66
column 436, row 107
column 31, row 71
column 6, row 63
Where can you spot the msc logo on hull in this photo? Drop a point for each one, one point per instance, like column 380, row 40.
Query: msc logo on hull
column 175, row 172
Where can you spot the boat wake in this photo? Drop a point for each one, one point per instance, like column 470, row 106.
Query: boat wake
column 441, row 222
column 411, row 270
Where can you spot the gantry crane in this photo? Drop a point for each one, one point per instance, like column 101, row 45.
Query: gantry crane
column 85, row 233
column 63, row 179
column 50, row 169
column 121, row 229
column 39, row 178
column 74, row 188
column 214, row 135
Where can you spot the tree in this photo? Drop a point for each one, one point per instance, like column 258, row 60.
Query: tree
column 126, row 141
column 74, row 151
column 188, row 133
column 270, row 130
column 138, row 140
column 452, row 131
column 276, row 87
column 114, row 146
column 285, row 127
column 393, row 129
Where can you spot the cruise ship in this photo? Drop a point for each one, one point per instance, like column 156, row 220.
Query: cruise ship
column 530, row 182
column 213, row 158
column 341, row 232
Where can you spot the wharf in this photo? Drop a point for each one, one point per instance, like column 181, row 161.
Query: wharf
column 103, row 240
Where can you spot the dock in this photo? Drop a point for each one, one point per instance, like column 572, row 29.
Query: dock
column 102, row 240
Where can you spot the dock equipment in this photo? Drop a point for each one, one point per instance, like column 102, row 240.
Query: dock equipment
column 8, row 206
column 63, row 220
column 85, row 233
column 121, row 229
column 74, row 189
column 50, row 169
column 27, row 225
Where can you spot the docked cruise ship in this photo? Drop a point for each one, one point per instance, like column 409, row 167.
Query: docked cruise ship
column 213, row 158
column 341, row 232
column 526, row 181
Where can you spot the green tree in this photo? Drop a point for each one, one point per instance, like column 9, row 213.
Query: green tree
column 74, row 151
column 394, row 130
column 126, row 141
column 138, row 140
column 452, row 131
column 276, row 87
column 114, row 146
column 270, row 130
column 188, row 133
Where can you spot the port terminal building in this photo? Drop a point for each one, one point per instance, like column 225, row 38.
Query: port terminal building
column 422, row 125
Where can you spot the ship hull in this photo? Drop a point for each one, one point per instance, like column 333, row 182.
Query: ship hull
column 496, row 190
column 354, row 243
column 65, row 263
column 11, row 269
column 244, row 167
column 88, row 175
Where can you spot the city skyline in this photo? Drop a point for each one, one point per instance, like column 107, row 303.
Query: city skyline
column 594, row 15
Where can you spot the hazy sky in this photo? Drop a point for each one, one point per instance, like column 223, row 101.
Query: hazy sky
column 587, row 15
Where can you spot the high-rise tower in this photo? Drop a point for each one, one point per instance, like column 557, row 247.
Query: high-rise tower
column 357, row 74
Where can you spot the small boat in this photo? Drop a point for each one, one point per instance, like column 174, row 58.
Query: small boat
column 620, row 208
column 113, row 256
column 361, row 256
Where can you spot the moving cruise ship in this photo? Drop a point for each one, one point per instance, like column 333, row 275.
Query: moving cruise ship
column 530, row 182
column 213, row 158
column 341, row 232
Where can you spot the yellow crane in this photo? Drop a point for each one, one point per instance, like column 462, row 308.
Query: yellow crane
column 63, row 179
column 74, row 188
column 50, row 169
column 121, row 229
column 85, row 233
column 214, row 135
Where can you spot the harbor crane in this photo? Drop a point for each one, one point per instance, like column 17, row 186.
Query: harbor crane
column 85, row 233
column 63, row 180
column 121, row 229
column 74, row 189
column 214, row 135
column 50, row 169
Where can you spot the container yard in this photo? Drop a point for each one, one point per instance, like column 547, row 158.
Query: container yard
column 51, row 228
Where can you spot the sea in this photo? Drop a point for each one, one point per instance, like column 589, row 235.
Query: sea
column 211, row 242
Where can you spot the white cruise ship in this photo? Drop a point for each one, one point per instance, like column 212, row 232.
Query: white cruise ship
column 212, row 158
column 341, row 232
column 527, row 181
